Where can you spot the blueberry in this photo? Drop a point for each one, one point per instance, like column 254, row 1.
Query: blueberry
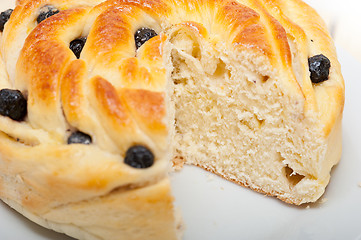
column 142, row 35
column 46, row 12
column 80, row 138
column 4, row 17
column 319, row 68
column 139, row 157
column 77, row 46
column 13, row 104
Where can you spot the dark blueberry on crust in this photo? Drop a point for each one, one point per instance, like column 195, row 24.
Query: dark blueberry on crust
column 4, row 17
column 77, row 46
column 319, row 68
column 13, row 104
column 142, row 35
column 46, row 12
column 139, row 157
column 79, row 138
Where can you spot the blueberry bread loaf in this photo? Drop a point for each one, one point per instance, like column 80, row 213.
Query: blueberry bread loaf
column 98, row 98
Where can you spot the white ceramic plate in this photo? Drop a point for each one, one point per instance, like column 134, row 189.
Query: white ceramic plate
column 215, row 209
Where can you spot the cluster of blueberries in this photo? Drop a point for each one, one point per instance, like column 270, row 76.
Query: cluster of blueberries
column 14, row 105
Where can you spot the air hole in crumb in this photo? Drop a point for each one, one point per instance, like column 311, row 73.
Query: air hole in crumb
column 293, row 177
column 221, row 69
column 196, row 53
column 248, row 124
column 265, row 78
column 261, row 122
column 180, row 81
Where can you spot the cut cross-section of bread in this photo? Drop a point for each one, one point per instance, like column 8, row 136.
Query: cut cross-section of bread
column 246, row 108
column 119, row 90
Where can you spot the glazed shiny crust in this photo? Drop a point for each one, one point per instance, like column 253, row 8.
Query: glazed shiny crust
column 117, row 94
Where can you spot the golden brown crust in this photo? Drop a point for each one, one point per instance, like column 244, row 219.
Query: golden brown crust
column 148, row 109
column 72, row 92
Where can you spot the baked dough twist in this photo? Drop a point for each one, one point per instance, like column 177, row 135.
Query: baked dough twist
column 233, row 74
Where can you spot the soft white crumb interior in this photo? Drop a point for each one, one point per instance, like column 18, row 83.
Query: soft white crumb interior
column 233, row 117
